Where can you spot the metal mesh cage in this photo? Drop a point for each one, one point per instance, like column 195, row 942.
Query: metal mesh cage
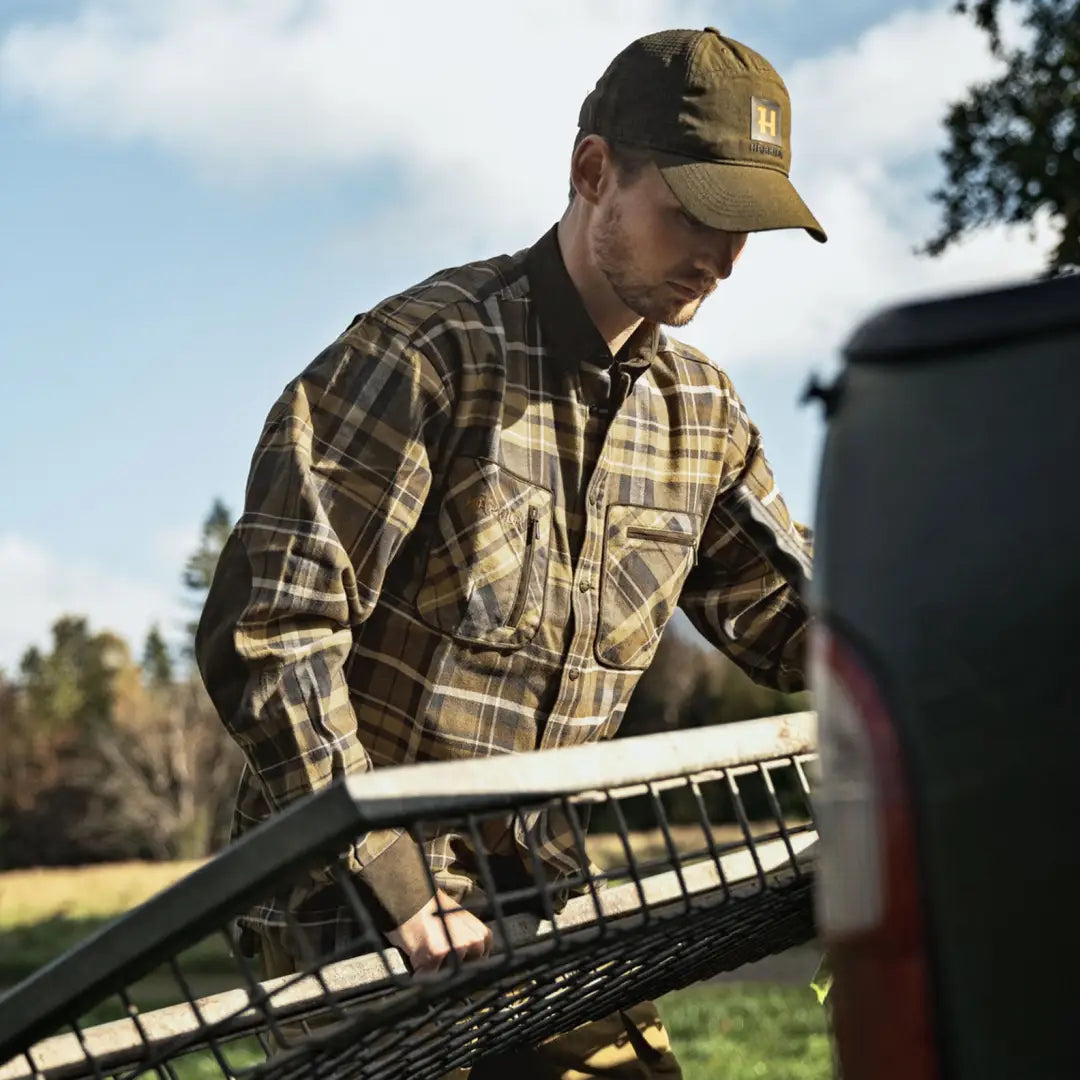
column 698, row 860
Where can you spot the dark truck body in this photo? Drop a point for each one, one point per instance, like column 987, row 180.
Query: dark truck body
column 947, row 556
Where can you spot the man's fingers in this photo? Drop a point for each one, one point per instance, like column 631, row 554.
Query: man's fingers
column 469, row 936
column 439, row 929
column 475, row 950
column 433, row 953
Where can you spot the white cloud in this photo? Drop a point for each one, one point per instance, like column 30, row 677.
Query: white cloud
column 879, row 100
column 470, row 97
column 260, row 89
column 38, row 587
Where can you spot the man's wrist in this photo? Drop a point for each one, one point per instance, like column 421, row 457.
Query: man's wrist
column 399, row 880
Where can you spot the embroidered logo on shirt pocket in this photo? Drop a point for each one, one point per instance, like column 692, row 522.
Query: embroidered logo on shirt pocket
column 648, row 554
column 487, row 565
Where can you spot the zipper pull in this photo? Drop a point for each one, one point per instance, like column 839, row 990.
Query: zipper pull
column 534, row 524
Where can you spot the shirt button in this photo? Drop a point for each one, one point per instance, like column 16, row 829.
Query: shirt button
column 585, row 586
column 572, row 675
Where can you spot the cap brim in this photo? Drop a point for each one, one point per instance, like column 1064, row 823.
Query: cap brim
column 738, row 198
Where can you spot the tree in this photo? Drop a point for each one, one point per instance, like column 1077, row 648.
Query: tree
column 104, row 758
column 160, row 780
column 157, row 664
column 659, row 700
column 200, row 567
column 64, row 701
column 1014, row 142
column 70, row 688
column 689, row 683
column 11, row 779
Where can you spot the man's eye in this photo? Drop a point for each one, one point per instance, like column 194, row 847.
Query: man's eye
column 689, row 219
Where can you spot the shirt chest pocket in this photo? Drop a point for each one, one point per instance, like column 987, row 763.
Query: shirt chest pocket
column 487, row 565
column 648, row 554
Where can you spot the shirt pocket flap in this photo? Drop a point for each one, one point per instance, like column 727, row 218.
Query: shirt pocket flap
column 648, row 553
column 486, row 570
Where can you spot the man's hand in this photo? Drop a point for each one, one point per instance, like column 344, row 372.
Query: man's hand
column 423, row 938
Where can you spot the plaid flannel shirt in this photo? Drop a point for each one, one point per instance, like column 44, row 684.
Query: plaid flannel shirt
column 464, row 530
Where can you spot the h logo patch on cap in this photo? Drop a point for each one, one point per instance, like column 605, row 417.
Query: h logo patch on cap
column 766, row 122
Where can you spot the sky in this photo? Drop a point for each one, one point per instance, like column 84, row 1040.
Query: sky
column 196, row 196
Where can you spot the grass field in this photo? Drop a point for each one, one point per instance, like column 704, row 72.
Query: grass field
column 733, row 1031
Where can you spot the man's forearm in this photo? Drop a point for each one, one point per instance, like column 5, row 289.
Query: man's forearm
column 398, row 878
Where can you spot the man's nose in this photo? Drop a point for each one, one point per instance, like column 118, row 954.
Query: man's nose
column 716, row 261
column 720, row 253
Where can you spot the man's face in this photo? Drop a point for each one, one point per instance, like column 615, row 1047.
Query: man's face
column 659, row 261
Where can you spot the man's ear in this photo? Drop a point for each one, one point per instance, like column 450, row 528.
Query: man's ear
column 591, row 168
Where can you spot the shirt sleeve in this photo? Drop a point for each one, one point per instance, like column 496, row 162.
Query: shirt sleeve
column 338, row 479
column 747, row 594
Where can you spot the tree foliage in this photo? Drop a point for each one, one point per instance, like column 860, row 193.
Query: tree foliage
column 1014, row 142
column 160, row 780
column 71, row 686
column 201, row 564
column 63, row 700
column 691, row 684
column 199, row 569
column 157, row 663
column 106, row 758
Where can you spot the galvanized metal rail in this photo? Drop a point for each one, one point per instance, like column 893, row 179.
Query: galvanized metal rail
column 357, row 1011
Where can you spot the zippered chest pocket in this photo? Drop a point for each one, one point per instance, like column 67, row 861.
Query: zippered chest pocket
column 486, row 571
column 648, row 553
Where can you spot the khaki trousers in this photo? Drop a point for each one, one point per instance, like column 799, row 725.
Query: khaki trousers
column 631, row 1044
column 628, row 1045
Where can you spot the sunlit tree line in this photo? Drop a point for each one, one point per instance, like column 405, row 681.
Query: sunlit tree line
column 111, row 756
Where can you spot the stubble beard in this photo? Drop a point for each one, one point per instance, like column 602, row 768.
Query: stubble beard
column 615, row 260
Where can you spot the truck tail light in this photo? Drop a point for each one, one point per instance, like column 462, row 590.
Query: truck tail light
column 868, row 896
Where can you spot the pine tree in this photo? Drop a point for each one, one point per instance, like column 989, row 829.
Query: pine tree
column 70, row 688
column 201, row 564
column 157, row 665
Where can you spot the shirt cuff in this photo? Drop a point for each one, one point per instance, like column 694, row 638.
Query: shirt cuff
column 399, row 880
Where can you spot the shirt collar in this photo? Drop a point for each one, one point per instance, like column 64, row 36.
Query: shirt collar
column 565, row 322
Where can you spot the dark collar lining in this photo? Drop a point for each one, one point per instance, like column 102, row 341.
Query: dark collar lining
column 563, row 318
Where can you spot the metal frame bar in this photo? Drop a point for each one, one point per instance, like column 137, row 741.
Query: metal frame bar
column 303, row 835
column 108, row 1047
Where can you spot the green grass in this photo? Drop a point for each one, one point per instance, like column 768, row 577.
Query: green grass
column 25, row 947
column 743, row 1031
column 204, row 1066
column 718, row 1032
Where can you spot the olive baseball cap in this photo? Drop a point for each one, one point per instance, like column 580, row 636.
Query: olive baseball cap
column 716, row 117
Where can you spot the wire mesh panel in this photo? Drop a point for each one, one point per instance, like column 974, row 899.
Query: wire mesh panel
column 688, row 854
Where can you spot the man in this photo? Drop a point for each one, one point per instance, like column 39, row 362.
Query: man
column 470, row 518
